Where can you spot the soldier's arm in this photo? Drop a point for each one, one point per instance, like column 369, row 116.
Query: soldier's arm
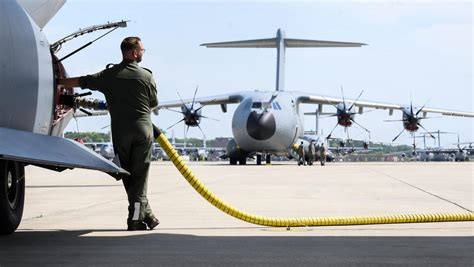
column 69, row 82
column 96, row 81
column 153, row 94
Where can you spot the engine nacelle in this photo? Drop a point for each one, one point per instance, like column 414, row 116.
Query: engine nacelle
column 31, row 71
column 192, row 113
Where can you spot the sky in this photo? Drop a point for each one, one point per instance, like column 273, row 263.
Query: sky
column 417, row 51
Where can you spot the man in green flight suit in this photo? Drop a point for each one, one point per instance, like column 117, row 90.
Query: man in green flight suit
column 130, row 92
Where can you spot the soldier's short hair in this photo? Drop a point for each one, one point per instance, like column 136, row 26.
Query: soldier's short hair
column 130, row 43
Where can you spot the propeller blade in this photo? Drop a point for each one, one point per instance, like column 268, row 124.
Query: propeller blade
column 422, row 107
column 328, row 116
column 194, row 97
column 202, row 131
column 182, row 102
column 175, row 124
column 210, row 102
column 186, row 133
column 329, row 136
column 357, row 99
column 173, row 110
column 360, row 125
column 419, row 124
column 398, row 135
column 329, row 103
column 343, row 100
column 208, row 118
column 424, row 118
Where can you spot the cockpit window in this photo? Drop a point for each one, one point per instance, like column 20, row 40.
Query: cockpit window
column 257, row 105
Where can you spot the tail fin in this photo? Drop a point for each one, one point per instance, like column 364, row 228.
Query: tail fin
column 280, row 43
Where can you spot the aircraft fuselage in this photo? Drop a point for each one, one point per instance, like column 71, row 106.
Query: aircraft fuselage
column 267, row 124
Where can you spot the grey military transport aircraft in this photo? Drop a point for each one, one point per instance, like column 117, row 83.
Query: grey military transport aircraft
column 270, row 122
column 34, row 110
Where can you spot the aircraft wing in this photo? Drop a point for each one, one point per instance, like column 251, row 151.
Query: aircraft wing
column 323, row 100
column 50, row 151
column 211, row 100
column 41, row 11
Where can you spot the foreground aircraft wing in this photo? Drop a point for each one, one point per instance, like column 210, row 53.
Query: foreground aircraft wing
column 50, row 151
column 323, row 100
column 211, row 100
column 41, row 11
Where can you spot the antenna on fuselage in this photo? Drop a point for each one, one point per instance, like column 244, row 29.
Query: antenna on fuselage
column 280, row 43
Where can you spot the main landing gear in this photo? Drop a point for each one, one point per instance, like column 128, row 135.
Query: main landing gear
column 12, row 195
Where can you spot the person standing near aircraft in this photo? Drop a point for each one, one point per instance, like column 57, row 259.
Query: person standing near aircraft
column 311, row 152
column 322, row 154
column 300, row 152
column 130, row 91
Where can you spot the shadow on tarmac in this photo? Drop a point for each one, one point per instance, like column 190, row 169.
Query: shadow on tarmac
column 73, row 186
column 108, row 248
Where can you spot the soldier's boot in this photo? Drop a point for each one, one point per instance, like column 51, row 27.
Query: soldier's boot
column 135, row 226
column 151, row 221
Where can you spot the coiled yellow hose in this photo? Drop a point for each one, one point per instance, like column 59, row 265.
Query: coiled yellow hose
column 305, row 221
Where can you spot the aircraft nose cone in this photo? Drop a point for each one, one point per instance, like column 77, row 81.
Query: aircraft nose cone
column 261, row 126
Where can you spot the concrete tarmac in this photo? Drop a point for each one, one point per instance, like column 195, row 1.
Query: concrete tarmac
column 78, row 217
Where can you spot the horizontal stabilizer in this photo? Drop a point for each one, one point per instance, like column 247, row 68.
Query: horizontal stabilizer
column 318, row 43
column 258, row 43
column 51, row 151
column 280, row 42
column 272, row 43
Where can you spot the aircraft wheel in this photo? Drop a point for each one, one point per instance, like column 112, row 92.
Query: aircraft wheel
column 233, row 161
column 268, row 159
column 259, row 159
column 12, row 195
column 243, row 161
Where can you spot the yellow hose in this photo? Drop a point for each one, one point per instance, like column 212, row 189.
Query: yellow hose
column 305, row 221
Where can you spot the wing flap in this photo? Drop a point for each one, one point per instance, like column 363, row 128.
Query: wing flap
column 51, row 151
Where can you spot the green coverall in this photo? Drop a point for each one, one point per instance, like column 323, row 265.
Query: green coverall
column 130, row 92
